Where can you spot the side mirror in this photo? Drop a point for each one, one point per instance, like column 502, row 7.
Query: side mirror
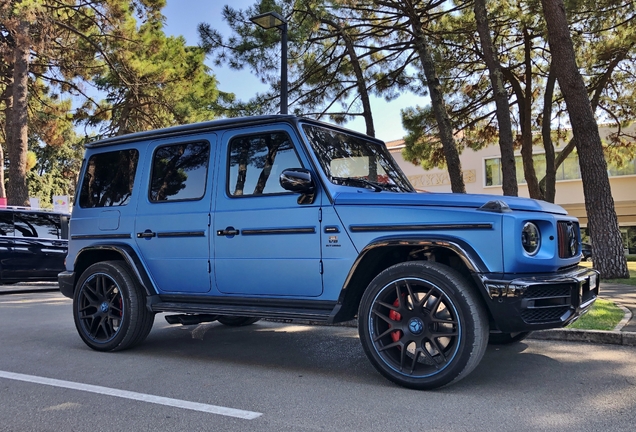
column 299, row 180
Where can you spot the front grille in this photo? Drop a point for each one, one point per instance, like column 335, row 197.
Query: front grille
column 544, row 315
column 568, row 237
column 546, row 303
column 545, row 291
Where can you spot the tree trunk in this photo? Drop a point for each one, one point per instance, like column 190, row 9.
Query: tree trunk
column 548, row 183
column 607, row 245
column 437, row 101
column 525, row 113
column 18, row 194
column 357, row 70
column 508, row 166
column 8, row 130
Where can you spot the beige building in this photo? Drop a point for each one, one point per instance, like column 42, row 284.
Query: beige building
column 482, row 175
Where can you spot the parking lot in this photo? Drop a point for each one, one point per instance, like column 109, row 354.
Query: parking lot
column 285, row 377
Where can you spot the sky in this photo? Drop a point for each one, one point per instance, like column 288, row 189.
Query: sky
column 182, row 18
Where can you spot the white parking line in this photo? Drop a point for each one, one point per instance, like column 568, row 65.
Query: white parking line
column 212, row 409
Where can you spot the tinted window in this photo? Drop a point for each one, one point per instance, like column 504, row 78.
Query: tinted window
column 108, row 179
column 256, row 162
column 6, row 224
column 352, row 160
column 179, row 172
column 37, row 225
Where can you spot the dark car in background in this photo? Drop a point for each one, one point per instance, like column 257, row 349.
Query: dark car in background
column 586, row 252
column 33, row 244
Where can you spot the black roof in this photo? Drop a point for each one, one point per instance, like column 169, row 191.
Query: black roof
column 211, row 126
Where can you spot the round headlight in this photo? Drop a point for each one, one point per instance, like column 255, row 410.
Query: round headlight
column 530, row 238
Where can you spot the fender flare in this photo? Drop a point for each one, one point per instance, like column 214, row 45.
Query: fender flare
column 131, row 258
column 463, row 250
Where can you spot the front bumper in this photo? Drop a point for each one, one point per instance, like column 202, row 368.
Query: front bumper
column 535, row 302
column 66, row 281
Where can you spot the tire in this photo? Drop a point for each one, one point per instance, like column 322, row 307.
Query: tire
column 507, row 338
column 236, row 321
column 109, row 308
column 422, row 325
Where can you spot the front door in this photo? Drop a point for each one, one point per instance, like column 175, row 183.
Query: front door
column 173, row 214
column 266, row 243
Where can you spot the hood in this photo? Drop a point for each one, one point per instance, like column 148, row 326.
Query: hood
column 444, row 200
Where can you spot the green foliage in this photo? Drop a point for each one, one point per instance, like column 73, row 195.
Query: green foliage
column 605, row 38
column 337, row 58
column 604, row 315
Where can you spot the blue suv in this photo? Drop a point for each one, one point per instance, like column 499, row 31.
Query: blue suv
column 289, row 218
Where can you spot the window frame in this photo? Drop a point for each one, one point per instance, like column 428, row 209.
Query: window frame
column 228, row 167
column 85, row 168
column 152, row 169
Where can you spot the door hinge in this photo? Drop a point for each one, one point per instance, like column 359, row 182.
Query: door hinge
column 320, row 215
column 209, row 267
column 209, row 219
column 321, row 268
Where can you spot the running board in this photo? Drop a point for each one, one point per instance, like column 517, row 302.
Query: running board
column 321, row 315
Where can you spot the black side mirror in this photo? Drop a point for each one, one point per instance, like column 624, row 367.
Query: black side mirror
column 299, row 180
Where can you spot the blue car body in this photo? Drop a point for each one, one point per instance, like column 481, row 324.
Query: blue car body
column 235, row 242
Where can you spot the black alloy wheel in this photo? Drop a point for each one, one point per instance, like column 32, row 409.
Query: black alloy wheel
column 422, row 325
column 109, row 308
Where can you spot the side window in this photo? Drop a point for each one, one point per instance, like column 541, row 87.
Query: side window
column 256, row 162
column 108, row 180
column 6, row 224
column 179, row 172
column 35, row 225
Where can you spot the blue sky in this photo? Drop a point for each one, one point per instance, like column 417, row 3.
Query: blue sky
column 182, row 18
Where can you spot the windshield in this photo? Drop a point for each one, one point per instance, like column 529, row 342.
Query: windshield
column 354, row 161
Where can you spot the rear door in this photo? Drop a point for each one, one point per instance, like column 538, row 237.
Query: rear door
column 267, row 241
column 173, row 213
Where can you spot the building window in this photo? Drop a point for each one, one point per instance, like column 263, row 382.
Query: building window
column 568, row 170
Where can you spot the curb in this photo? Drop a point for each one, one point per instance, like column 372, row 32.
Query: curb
column 591, row 336
column 613, row 337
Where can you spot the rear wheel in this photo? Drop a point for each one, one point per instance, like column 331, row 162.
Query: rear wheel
column 422, row 325
column 109, row 308
column 236, row 321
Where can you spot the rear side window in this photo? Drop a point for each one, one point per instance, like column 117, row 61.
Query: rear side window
column 36, row 225
column 257, row 161
column 179, row 172
column 108, row 179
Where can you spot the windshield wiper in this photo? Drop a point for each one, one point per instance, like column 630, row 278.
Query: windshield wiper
column 360, row 181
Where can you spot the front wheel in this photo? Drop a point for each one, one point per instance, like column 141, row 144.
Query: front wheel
column 422, row 325
column 109, row 308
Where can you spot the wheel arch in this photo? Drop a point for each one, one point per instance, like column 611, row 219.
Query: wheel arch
column 388, row 251
column 113, row 252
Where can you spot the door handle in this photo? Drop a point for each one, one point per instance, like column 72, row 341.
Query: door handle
column 146, row 234
column 228, row 232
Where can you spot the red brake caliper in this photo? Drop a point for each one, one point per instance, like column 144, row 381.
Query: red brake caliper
column 395, row 316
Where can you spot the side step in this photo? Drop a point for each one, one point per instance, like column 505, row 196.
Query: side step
column 190, row 319
column 213, row 310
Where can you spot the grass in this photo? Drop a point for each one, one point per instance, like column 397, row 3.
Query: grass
column 604, row 315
